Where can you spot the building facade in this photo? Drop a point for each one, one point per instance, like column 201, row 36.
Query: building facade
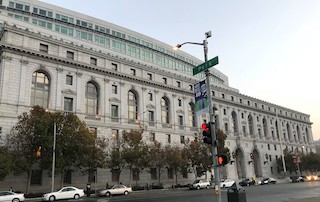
column 116, row 79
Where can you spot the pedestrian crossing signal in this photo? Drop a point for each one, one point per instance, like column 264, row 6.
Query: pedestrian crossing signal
column 222, row 160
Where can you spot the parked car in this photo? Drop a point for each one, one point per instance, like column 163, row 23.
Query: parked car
column 200, row 184
column 297, row 179
column 11, row 196
column 117, row 189
column 246, row 182
column 268, row 180
column 64, row 193
column 227, row 183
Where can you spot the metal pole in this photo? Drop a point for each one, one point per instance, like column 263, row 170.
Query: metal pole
column 53, row 155
column 212, row 126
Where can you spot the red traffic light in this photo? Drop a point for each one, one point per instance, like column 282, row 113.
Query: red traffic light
column 204, row 127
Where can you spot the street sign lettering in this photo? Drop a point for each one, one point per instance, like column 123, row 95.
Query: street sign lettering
column 206, row 65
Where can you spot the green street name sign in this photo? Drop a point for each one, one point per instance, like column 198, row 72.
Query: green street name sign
column 204, row 66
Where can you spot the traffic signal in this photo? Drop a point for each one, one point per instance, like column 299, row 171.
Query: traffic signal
column 222, row 160
column 206, row 133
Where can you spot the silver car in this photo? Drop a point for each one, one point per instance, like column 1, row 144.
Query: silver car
column 118, row 189
column 9, row 196
column 200, row 184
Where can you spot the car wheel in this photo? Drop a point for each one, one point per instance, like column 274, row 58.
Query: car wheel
column 108, row 194
column 207, row 187
column 52, row 198
column 224, row 186
column 76, row 196
column 198, row 187
column 126, row 193
column 15, row 200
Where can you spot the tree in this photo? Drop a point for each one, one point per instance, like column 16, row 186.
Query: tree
column 26, row 137
column 134, row 151
column 175, row 160
column 33, row 134
column 5, row 156
column 116, row 162
column 199, row 156
column 157, row 159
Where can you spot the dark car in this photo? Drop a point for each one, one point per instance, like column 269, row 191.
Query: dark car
column 246, row 182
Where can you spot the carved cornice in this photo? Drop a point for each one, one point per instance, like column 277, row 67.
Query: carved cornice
column 114, row 99
column 68, row 91
column 150, row 106
column 180, row 111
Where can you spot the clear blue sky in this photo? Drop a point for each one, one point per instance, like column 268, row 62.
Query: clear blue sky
column 270, row 50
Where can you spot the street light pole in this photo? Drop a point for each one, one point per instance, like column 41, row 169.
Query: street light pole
column 53, row 155
column 211, row 117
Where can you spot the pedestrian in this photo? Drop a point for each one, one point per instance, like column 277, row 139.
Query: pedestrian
column 11, row 189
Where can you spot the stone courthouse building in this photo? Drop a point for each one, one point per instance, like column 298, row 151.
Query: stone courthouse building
column 110, row 77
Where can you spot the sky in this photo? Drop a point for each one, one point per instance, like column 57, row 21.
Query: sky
column 270, row 50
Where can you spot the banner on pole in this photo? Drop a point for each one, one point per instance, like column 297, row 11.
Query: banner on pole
column 201, row 98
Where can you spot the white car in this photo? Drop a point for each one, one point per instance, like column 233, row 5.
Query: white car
column 200, row 184
column 9, row 196
column 64, row 193
column 227, row 183
column 117, row 189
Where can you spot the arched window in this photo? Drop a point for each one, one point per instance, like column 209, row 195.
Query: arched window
column 192, row 122
column 132, row 106
column 40, row 89
column 164, row 110
column 92, row 98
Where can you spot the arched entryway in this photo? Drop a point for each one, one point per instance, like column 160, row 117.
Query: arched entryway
column 239, row 160
column 256, row 163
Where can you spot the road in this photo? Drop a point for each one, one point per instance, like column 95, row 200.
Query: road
column 287, row 192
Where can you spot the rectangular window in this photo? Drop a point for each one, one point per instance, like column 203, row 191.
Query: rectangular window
column 150, row 95
column 93, row 61
column 154, row 175
column 151, row 118
column 149, row 76
column 268, row 146
column 114, row 89
column 68, row 104
column 36, row 177
column 70, row 55
column 275, row 147
column 178, row 84
column 190, row 87
column 67, row 177
column 152, row 137
column 170, row 173
column 180, row 120
column 222, row 95
column 115, row 111
column 44, row 48
column 114, row 67
column 164, row 80
column 179, row 102
column 168, row 138
column 182, row 139
column 135, row 175
column 69, row 80
column 132, row 72
column 115, row 174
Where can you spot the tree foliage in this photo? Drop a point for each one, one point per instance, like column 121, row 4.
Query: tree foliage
column 75, row 145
